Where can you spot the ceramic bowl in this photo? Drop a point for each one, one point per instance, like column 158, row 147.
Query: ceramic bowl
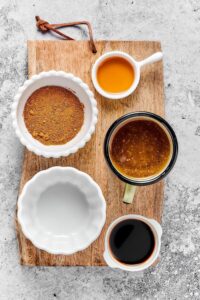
column 70, row 82
column 61, row 210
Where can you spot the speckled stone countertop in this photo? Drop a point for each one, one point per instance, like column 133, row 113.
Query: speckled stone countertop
column 177, row 25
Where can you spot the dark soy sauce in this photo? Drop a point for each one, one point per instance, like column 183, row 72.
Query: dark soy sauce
column 132, row 241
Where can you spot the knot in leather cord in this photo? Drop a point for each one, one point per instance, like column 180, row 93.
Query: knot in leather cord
column 41, row 24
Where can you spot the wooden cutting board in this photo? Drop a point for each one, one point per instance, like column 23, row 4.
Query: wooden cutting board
column 76, row 57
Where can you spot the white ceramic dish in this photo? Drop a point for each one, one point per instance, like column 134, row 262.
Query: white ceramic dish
column 66, row 80
column 157, row 231
column 136, row 67
column 61, row 210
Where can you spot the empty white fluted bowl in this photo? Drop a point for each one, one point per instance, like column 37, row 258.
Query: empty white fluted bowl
column 61, row 210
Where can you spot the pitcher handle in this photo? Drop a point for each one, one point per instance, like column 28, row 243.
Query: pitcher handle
column 151, row 59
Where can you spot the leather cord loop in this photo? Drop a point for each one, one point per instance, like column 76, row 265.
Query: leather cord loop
column 44, row 26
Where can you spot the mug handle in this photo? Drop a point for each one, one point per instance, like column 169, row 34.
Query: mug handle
column 129, row 193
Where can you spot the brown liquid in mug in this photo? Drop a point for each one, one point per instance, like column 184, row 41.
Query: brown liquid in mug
column 139, row 149
column 132, row 241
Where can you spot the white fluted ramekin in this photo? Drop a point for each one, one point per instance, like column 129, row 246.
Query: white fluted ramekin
column 70, row 82
column 61, row 210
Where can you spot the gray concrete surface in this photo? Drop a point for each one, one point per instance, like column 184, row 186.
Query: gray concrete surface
column 177, row 25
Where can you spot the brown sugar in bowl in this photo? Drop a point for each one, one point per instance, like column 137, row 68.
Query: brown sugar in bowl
column 71, row 144
column 53, row 115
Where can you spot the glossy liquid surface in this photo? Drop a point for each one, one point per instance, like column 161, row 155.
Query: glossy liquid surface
column 115, row 75
column 140, row 149
column 132, row 241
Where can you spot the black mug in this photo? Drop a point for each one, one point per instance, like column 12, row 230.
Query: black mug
column 131, row 183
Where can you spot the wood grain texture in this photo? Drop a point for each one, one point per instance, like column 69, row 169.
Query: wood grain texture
column 76, row 57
